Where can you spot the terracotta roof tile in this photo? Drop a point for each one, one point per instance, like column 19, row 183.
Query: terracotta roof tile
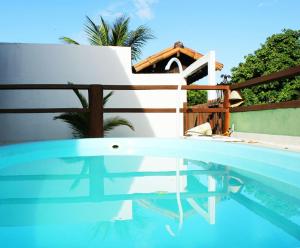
column 168, row 52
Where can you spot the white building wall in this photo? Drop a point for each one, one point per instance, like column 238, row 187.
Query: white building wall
column 35, row 63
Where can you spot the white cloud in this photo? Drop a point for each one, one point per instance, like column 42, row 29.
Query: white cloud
column 266, row 3
column 112, row 11
column 144, row 8
column 261, row 4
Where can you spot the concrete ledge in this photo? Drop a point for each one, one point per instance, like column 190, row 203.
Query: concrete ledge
column 285, row 142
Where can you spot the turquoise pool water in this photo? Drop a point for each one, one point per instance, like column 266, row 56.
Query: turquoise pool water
column 148, row 193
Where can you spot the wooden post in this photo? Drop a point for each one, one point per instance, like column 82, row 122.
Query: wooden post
column 96, row 111
column 226, row 104
column 185, row 118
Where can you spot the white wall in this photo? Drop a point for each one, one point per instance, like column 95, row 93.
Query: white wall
column 35, row 63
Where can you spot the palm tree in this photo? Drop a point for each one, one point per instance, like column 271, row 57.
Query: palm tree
column 117, row 34
column 79, row 122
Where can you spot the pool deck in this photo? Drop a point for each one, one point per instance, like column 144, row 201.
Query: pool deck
column 291, row 143
column 282, row 142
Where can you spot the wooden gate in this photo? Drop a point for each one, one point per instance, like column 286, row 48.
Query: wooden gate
column 192, row 119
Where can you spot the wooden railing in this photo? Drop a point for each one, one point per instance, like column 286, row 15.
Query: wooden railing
column 95, row 103
column 216, row 120
column 284, row 74
column 96, row 110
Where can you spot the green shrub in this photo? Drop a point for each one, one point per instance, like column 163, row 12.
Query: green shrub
column 279, row 52
column 196, row 97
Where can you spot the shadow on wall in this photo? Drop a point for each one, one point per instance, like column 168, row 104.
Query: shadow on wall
column 36, row 64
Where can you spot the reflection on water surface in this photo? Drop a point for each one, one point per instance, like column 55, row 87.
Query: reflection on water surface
column 145, row 202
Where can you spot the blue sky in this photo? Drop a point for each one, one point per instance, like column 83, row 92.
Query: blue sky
column 233, row 28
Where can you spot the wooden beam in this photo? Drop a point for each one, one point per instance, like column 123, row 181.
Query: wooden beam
column 140, row 87
column 113, row 110
column 139, row 110
column 165, row 110
column 108, row 87
column 96, row 111
column 226, row 105
column 280, row 105
column 205, row 87
column 165, row 87
column 204, row 110
column 185, row 118
column 43, row 86
column 288, row 73
column 42, row 110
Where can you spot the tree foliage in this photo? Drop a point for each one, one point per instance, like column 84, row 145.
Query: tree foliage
column 115, row 34
column 79, row 122
column 196, row 97
column 279, row 52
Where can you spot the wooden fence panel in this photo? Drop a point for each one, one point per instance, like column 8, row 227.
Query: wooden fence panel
column 191, row 119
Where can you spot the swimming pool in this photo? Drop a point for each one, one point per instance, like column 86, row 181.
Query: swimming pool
column 148, row 192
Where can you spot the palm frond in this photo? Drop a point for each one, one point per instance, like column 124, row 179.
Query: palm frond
column 80, row 96
column 84, row 101
column 106, row 98
column 69, row 40
column 117, row 34
column 119, row 31
column 78, row 122
column 137, row 39
column 104, row 29
column 93, row 33
column 114, row 122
